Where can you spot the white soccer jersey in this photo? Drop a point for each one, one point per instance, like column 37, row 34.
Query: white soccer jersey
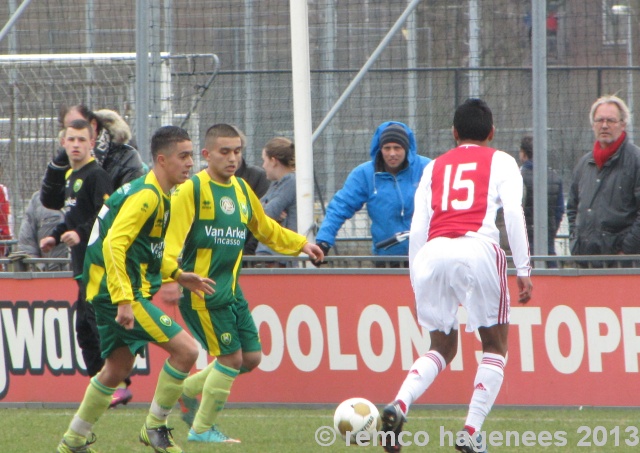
column 459, row 195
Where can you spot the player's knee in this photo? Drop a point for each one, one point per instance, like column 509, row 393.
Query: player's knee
column 251, row 360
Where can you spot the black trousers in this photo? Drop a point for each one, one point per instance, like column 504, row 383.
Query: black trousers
column 87, row 332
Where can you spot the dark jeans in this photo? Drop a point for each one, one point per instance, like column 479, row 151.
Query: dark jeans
column 87, row 333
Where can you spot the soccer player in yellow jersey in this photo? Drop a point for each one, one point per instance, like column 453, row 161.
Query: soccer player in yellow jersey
column 122, row 271
column 216, row 210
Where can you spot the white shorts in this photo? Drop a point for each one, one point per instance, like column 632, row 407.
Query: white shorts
column 467, row 271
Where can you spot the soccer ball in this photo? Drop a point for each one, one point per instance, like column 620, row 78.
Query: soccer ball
column 356, row 415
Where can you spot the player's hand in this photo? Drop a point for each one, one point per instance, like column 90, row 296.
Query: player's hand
column 47, row 243
column 196, row 284
column 61, row 159
column 324, row 248
column 125, row 315
column 71, row 238
column 525, row 288
column 170, row 293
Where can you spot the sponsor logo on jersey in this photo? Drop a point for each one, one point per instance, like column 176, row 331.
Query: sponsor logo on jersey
column 77, row 185
column 166, row 219
column 206, row 205
column 157, row 249
column 227, row 205
column 164, row 319
column 244, row 209
column 144, row 207
column 124, row 189
column 226, row 338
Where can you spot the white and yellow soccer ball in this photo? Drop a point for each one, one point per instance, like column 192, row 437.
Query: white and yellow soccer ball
column 354, row 416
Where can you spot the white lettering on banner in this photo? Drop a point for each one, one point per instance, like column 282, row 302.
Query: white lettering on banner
column 266, row 314
column 524, row 318
column 599, row 344
column 558, row 316
column 58, row 318
column 299, row 315
column 375, row 314
column 411, row 335
column 630, row 319
column 40, row 334
column 337, row 360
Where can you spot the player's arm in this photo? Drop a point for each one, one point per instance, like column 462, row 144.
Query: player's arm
column 510, row 190
column 270, row 233
column 183, row 212
column 421, row 214
column 132, row 216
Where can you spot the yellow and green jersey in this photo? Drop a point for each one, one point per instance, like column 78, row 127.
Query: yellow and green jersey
column 209, row 227
column 125, row 250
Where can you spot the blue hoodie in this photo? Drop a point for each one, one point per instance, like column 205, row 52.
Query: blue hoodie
column 389, row 197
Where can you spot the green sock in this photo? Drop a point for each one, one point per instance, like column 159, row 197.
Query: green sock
column 194, row 384
column 168, row 390
column 95, row 403
column 214, row 395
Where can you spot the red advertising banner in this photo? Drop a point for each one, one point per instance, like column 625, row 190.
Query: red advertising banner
column 327, row 337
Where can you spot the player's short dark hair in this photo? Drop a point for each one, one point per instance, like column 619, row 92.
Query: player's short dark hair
column 225, row 130
column 526, row 145
column 165, row 137
column 473, row 120
column 80, row 125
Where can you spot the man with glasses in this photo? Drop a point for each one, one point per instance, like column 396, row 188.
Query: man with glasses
column 604, row 199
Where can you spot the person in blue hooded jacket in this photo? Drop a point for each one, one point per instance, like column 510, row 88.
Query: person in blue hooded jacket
column 387, row 184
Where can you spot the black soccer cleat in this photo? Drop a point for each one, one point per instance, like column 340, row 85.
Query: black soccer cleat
column 392, row 421
column 472, row 443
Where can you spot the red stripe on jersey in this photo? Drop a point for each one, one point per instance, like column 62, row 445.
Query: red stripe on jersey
column 460, row 188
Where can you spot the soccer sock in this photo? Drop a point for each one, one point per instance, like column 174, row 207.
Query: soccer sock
column 216, row 391
column 194, row 384
column 168, row 390
column 487, row 386
column 95, row 403
column 421, row 375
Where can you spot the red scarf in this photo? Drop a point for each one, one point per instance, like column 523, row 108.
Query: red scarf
column 601, row 155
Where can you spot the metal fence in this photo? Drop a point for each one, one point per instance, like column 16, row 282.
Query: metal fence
column 231, row 61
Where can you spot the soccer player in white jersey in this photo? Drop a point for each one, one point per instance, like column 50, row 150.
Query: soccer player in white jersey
column 455, row 259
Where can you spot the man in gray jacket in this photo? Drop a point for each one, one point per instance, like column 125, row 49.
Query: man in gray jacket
column 604, row 200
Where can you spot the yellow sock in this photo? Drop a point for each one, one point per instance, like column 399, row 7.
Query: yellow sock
column 214, row 396
column 168, row 390
column 95, row 403
column 194, row 384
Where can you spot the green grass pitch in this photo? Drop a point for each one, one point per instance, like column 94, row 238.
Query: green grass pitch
column 278, row 429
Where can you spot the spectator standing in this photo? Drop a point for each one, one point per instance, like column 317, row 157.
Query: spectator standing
column 6, row 219
column 257, row 179
column 88, row 186
column 555, row 198
column 279, row 203
column 386, row 184
column 604, row 200
column 39, row 222
column 455, row 259
column 112, row 152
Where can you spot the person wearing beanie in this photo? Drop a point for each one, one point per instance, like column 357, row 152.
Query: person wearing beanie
column 604, row 199
column 386, row 184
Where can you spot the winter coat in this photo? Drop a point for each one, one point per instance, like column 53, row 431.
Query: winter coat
column 112, row 152
column 389, row 198
column 603, row 204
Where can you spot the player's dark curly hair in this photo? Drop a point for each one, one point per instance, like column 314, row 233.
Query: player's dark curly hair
column 165, row 137
column 473, row 120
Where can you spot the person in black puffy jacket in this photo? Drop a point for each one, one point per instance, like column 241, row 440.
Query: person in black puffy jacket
column 112, row 151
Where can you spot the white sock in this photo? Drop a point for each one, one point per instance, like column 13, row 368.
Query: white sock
column 421, row 375
column 487, row 386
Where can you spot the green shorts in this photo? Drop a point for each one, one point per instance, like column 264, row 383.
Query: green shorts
column 224, row 330
column 151, row 325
